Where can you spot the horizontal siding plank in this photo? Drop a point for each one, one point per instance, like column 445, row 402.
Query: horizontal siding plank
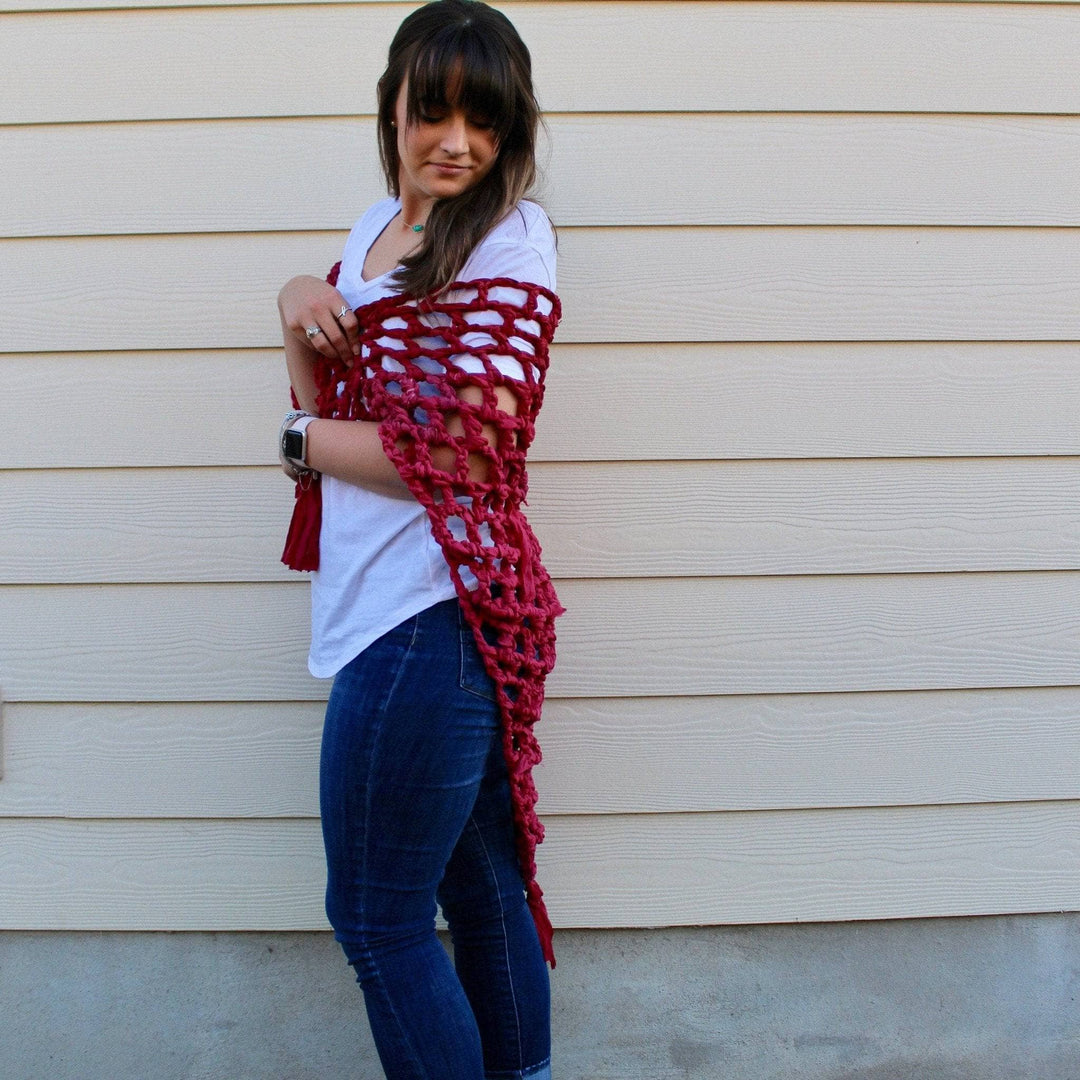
column 161, row 875
column 618, row 285
column 230, row 759
column 841, row 399
column 777, row 752
column 144, row 525
column 733, row 169
column 812, row 517
column 234, row 399
column 595, row 520
column 604, row 402
column 181, row 176
column 796, row 284
column 748, row 57
column 818, row 634
column 812, row 865
column 640, row 870
column 127, row 5
column 801, row 751
column 121, row 5
column 625, row 637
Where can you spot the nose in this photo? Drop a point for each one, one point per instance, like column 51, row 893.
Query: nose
column 455, row 135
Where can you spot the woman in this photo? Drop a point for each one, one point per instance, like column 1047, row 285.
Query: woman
column 430, row 607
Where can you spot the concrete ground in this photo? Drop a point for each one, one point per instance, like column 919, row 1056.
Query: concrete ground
column 947, row 999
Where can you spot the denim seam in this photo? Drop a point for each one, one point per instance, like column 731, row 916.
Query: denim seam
column 400, row 670
column 520, row 1074
column 502, row 923
column 369, row 955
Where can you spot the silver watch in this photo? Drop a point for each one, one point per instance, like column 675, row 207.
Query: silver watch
column 292, row 444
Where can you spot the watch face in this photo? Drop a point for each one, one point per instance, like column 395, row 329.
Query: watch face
column 294, row 445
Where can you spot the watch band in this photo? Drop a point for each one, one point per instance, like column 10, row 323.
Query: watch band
column 292, row 444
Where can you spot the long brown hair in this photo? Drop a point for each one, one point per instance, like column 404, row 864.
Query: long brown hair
column 467, row 50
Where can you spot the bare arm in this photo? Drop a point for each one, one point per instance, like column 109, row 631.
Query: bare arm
column 351, row 450
column 348, row 450
column 479, row 466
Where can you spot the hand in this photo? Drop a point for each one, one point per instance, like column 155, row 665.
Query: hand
column 309, row 302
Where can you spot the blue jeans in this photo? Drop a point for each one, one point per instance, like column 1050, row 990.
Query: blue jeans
column 416, row 809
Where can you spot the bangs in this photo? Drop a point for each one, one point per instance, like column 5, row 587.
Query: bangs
column 459, row 69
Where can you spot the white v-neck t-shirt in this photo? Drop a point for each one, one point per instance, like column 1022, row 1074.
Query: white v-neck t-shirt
column 378, row 561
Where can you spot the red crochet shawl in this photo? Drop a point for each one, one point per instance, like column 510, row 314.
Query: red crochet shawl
column 409, row 383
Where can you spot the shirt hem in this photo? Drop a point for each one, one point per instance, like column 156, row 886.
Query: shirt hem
column 341, row 657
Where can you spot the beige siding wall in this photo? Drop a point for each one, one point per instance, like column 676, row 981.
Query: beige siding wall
column 808, row 473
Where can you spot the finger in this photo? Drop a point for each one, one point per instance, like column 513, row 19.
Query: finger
column 350, row 325
column 313, row 331
column 315, row 336
column 335, row 337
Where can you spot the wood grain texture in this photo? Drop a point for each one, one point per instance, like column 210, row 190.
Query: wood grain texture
column 641, row 870
column 795, row 866
column 749, row 169
column 626, row 637
column 818, row 634
column 151, row 760
column 801, row 284
column 639, row 519
column 771, row 56
column 603, row 402
column 236, row 399
column 791, row 751
column 601, row 755
column 145, row 525
column 813, row 517
column 783, row 400
column 617, row 285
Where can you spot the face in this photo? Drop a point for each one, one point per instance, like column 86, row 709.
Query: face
column 443, row 154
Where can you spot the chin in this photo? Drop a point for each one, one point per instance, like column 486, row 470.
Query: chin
column 450, row 191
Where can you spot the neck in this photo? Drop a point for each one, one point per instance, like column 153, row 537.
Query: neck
column 414, row 212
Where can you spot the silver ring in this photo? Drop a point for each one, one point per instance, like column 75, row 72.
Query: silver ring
column 311, row 331
column 343, row 312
